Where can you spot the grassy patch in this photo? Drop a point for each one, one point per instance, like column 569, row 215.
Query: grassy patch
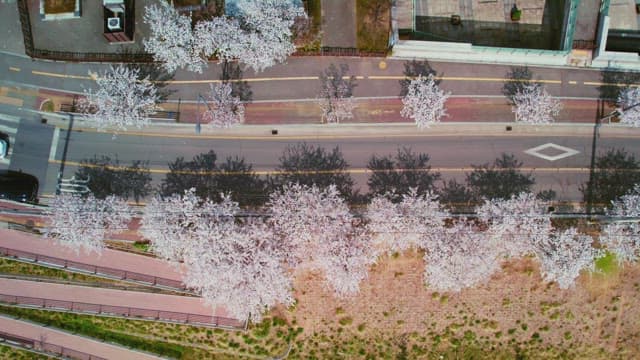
column 14, row 267
column 607, row 264
column 8, row 352
column 372, row 17
column 345, row 321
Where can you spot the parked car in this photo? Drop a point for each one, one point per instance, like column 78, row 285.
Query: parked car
column 18, row 186
column 4, row 145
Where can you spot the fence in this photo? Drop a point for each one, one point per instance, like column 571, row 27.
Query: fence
column 46, row 347
column 340, row 51
column 123, row 311
column 93, row 269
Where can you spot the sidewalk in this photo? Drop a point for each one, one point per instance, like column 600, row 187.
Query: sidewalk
column 108, row 258
column 140, row 302
column 78, row 343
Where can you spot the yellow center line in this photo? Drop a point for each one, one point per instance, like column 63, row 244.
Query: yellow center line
column 14, row 68
column 288, row 78
column 595, row 83
column 573, row 82
column 44, row 73
column 316, row 136
column 308, row 172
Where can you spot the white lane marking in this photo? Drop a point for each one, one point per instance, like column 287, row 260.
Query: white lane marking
column 8, row 129
column 54, row 144
column 9, row 118
column 565, row 152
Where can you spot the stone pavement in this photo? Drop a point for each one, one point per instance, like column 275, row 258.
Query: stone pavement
column 11, row 39
column 339, row 23
column 69, row 341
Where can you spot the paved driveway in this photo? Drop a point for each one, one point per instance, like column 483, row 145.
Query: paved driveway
column 339, row 23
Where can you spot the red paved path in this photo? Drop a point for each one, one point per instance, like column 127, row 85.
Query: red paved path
column 74, row 342
column 108, row 258
column 109, row 297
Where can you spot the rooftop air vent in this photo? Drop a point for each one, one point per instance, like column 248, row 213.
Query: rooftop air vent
column 113, row 23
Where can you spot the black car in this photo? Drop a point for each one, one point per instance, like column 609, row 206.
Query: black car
column 18, row 186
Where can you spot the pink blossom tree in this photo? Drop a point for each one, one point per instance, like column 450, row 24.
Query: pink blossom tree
column 629, row 106
column 516, row 224
column 564, row 255
column 172, row 42
column 224, row 110
column 622, row 235
column 82, row 223
column 534, row 105
column 424, row 101
column 240, row 269
column 315, row 229
column 408, row 224
column 121, row 100
column 461, row 257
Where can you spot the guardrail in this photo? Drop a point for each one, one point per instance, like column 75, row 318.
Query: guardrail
column 107, row 272
column 41, row 346
column 122, row 311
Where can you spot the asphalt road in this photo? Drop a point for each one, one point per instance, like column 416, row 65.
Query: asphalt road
column 452, row 155
column 297, row 78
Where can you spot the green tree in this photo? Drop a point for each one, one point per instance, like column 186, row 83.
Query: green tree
column 307, row 165
column 614, row 174
column 407, row 170
column 107, row 177
column 499, row 180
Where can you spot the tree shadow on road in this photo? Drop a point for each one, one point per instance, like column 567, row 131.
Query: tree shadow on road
column 108, row 177
column 413, row 69
column 232, row 74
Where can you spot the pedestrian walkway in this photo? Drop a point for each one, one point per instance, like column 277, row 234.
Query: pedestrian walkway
column 109, row 263
column 339, row 23
column 63, row 343
column 111, row 302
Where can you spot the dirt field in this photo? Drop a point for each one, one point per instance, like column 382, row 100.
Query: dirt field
column 516, row 313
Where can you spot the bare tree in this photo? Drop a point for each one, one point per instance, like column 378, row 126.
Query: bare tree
column 122, row 100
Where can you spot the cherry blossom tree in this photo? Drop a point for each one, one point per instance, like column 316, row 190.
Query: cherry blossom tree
column 516, row 224
column 315, row 229
column 225, row 110
column 410, row 223
column 563, row 255
column 424, row 101
column 336, row 94
column 534, row 105
column 81, row 223
column 240, row 269
column 257, row 33
column 170, row 223
column 121, row 100
column 629, row 106
column 622, row 235
column 461, row 257
column 267, row 36
column 172, row 41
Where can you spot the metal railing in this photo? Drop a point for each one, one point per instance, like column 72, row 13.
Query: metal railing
column 340, row 51
column 45, row 347
column 122, row 311
column 107, row 272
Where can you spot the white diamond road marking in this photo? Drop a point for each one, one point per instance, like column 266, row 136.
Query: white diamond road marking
column 566, row 152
